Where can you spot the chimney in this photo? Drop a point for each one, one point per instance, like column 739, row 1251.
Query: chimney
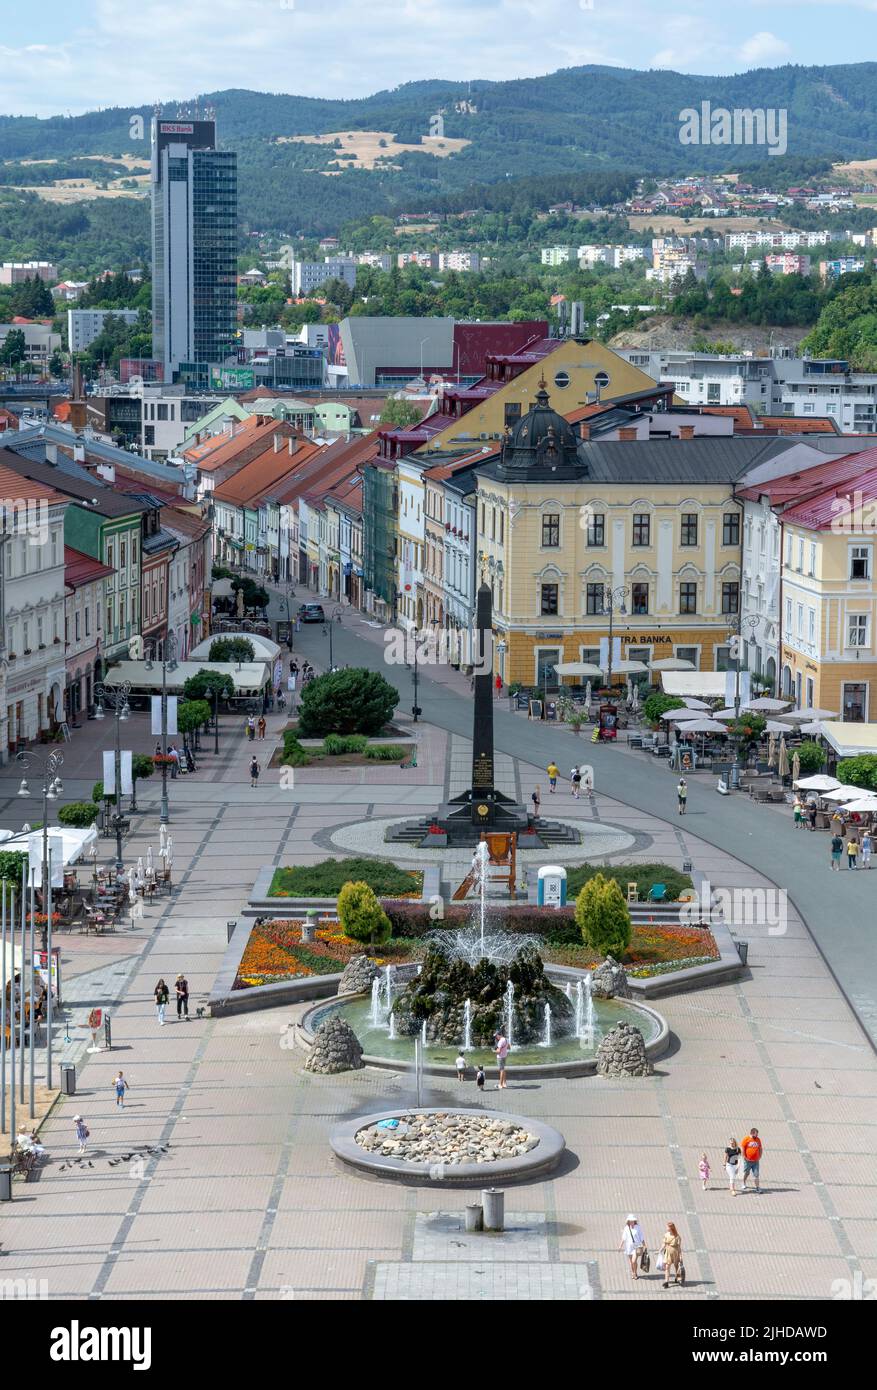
column 627, row 432
column 78, row 406
column 686, row 431
column 292, row 444
column 79, row 452
column 278, row 443
column 585, row 429
column 52, row 454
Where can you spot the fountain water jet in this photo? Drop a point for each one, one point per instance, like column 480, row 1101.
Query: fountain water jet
column 510, row 1011
column 391, row 1035
column 546, row 1037
column 467, row 1026
column 375, row 1015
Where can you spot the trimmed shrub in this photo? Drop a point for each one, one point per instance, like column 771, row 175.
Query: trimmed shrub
column 659, row 704
column 387, row 752
column 293, row 754
column 361, row 915
column 81, row 814
column 325, row 880
column 603, row 917
column 335, row 745
column 860, row 771
column 97, row 794
column 231, row 649
column 354, row 701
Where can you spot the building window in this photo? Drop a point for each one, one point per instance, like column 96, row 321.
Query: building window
column 512, row 413
column 731, row 528
column 688, row 597
column 551, row 529
column 639, row 598
column 812, row 558
column 88, row 622
column 77, row 630
column 689, row 528
column 596, row 532
column 860, row 562
column 642, row 528
column 548, row 604
column 731, row 598
column 594, row 599
column 855, row 700
column 857, row 630
column 688, row 654
column 811, row 624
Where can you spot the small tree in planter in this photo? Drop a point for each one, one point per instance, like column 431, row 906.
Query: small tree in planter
column 811, row 756
column 656, row 705
column 80, row 814
column 603, row 917
column 361, row 915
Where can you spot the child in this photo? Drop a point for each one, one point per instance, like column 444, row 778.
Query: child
column 461, row 1067
column 479, row 1078
column 703, row 1168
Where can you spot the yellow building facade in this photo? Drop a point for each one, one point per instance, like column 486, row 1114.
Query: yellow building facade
column 828, row 610
column 565, row 526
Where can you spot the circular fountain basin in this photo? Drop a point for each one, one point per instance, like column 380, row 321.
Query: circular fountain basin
column 542, row 1158
column 567, row 1056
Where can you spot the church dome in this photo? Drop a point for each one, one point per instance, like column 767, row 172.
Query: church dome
column 541, row 441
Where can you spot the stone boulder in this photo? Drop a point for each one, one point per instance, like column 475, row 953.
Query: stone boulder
column 609, row 981
column 622, row 1052
column 357, row 975
column 335, row 1048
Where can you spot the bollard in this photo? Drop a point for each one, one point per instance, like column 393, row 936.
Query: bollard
column 6, row 1182
column 229, row 928
column 68, row 1078
column 474, row 1217
column 743, row 951
column 493, row 1201
column 309, row 925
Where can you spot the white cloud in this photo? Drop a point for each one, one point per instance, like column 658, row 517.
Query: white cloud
column 764, row 48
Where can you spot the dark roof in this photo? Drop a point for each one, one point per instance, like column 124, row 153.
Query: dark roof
column 82, row 569
column 704, row 459
column 95, row 495
column 158, row 541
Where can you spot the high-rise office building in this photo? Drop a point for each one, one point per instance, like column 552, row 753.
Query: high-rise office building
column 194, row 244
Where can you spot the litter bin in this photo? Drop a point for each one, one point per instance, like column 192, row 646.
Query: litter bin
column 68, row 1078
column 743, row 951
column 5, row 1182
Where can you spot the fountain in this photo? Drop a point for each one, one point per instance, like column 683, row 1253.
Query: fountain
column 391, row 1034
column 567, row 989
column 585, row 1024
column 546, row 1039
column 467, row 1026
column 388, row 996
column 375, row 1015
column 510, row 1012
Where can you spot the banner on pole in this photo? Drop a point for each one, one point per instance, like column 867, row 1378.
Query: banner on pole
column 55, row 851
column 125, row 758
column 155, row 707
column 127, row 772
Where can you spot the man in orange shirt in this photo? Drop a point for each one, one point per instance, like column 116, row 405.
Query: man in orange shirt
column 752, row 1151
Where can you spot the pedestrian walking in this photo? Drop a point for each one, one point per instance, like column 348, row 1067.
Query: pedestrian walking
column 682, row 794
column 479, row 1078
column 633, row 1243
column 461, row 1067
column 80, row 1129
column 255, row 769
column 837, row 848
column 501, row 1047
column 587, row 775
column 670, row 1258
column 812, row 813
column 752, row 1151
column 120, row 1086
column 497, row 684
column 174, row 753
column 181, row 985
column 536, row 799
column 732, row 1164
column 798, row 813
column 703, row 1169
column 262, row 726
column 162, row 994
column 866, row 849
column 293, row 668
column 553, row 773
column 251, row 727
column 576, row 783
column 852, row 852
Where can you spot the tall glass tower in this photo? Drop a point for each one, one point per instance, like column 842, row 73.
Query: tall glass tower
column 194, row 244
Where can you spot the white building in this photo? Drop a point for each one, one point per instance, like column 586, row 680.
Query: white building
column 379, row 260
column 557, row 255
column 702, row 378
column 411, row 524
column 16, row 272
column 307, row 276
column 428, row 260
column 84, row 325
column 39, row 341
column 463, row 261
column 33, row 610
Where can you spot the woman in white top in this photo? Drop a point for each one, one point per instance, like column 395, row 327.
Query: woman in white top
column 632, row 1243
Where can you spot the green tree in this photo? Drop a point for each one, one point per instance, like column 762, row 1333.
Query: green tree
column 603, row 917
column 399, row 413
column 748, row 728
column 354, row 701
column 192, row 715
column 231, row 649
column 203, row 684
column 14, row 348
column 860, row 771
column 142, row 767
column 659, row 704
column 361, row 915
column 811, row 756
column 81, row 814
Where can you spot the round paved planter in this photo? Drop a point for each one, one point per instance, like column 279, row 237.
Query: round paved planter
column 543, row 1159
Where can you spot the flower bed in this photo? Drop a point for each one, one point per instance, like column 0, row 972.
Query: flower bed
column 654, row 950
column 275, row 951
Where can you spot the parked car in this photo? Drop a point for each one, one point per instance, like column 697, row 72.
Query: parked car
column 311, row 613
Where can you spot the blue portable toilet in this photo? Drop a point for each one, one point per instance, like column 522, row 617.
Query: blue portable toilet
column 551, row 888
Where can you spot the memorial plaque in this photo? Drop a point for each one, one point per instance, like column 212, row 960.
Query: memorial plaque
column 482, row 770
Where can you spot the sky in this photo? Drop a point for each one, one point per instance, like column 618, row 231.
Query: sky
column 60, row 58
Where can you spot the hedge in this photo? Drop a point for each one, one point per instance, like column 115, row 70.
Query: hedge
column 325, row 880
column 557, row 926
column 643, row 875
column 387, row 752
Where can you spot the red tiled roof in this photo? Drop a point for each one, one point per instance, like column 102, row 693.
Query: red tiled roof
column 82, row 569
column 264, row 474
column 821, row 511
column 796, row 424
column 793, row 488
column 16, row 487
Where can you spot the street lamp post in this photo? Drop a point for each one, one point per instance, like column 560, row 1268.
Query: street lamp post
column 612, row 599
column 52, row 788
column 116, row 698
column 216, row 719
column 737, row 627
column 415, row 708
column 168, row 663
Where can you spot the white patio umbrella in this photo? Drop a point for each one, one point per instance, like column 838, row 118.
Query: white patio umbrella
column 845, row 793
column 162, row 838
column 634, row 699
column 140, row 867
column 671, row 663
column 626, row 668
column 772, row 727
column 132, row 891
column 796, row 765
column 693, row 703
column 724, row 714
column 681, row 716
column 703, row 726
column 783, row 759
column 772, row 751
column 806, row 716
column 815, row 730
column 588, row 694
column 169, row 850
column 766, row 705
column 578, row 668
column 819, row 782
column 150, row 866
column 864, row 805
